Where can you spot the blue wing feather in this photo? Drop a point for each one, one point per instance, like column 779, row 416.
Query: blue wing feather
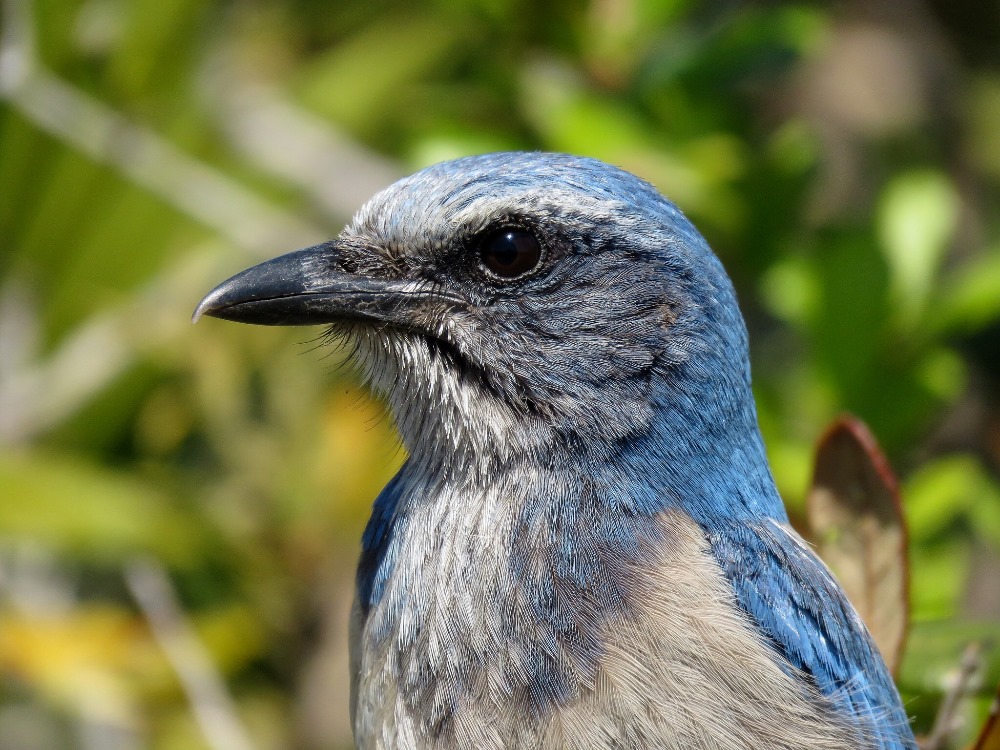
column 376, row 543
column 797, row 604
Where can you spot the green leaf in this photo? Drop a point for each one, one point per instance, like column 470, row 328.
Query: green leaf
column 92, row 512
column 945, row 489
column 971, row 300
column 358, row 80
column 935, row 649
column 917, row 217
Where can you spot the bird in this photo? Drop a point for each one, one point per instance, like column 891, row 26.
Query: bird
column 585, row 546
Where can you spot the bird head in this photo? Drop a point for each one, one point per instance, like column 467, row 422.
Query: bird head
column 508, row 302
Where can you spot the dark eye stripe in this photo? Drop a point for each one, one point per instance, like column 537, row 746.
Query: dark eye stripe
column 510, row 252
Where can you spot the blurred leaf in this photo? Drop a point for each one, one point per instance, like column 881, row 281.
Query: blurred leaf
column 156, row 40
column 943, row 373
column 945, row 499
column 855, row 514
column 850, row 321
column 984, row 114
column 573, row 118
column 82, row 659
column 791, row 291
column 917, row 217
column 232, row 634
column 971, row 299
column 942, row 658
column 946, row 489
column 940, row 572
column 93, row 512
column 356, row 81
column 934, row 650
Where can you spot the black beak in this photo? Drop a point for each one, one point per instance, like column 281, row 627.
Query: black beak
column 308, row 287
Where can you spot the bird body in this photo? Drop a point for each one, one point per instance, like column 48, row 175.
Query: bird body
column 585, row 547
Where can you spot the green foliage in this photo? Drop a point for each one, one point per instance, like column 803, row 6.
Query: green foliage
column 93, row 514
column 844, row 168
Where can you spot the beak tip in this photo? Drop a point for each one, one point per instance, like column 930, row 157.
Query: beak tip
column 208, row 305
column 278, row 292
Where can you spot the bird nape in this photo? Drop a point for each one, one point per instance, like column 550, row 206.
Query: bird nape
column 585, row 547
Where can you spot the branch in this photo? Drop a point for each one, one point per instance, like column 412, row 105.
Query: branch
column 214, row 709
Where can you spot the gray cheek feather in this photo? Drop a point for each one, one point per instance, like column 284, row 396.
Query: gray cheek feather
column 430, row 405
column 443, row 665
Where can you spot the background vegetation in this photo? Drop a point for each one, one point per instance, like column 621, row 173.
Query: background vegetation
column 180, row 506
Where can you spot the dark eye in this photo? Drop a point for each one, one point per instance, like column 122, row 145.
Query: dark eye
column 511, row 252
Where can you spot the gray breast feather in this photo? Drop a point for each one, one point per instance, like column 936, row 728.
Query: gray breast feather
column 680, row 668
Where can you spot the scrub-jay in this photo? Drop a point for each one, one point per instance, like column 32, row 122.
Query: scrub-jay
column 585, row 547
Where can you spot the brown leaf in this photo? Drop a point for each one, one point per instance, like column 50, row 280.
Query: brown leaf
column 857, row 521
column 989, row 735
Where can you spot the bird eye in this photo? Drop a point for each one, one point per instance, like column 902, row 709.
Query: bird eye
column 510, row 252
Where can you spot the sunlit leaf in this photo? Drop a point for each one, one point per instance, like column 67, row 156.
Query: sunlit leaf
column 93, row 512
column 790, row 290
column 80, row 660
column 947, row 489
column 917, row 217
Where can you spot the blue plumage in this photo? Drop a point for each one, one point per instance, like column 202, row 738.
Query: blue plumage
column 585, row 547
column 802, row 610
